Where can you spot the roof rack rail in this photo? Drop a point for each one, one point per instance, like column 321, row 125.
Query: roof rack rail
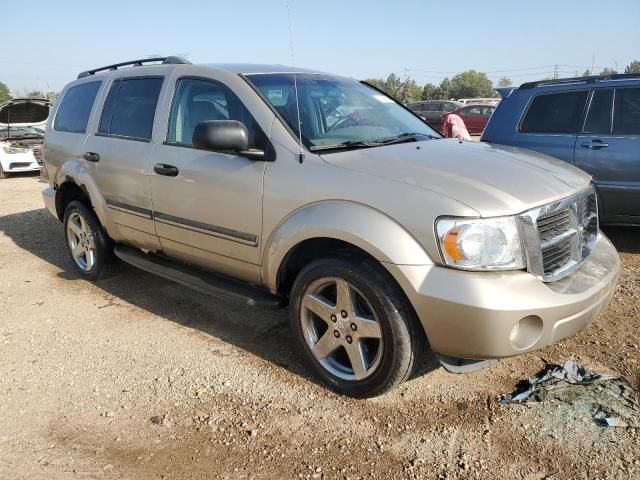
column 136, row 63
column 587, row 79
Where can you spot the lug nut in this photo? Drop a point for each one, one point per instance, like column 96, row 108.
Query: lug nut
column 334, row 318
column 354, row 327
column 344, row 314
column 336, row 333
column 349, row 339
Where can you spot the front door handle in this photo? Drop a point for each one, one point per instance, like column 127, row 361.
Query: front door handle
column 595, row 144
column 166, row 170
column 91, row 157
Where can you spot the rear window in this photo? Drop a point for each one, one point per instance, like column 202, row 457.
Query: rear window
column 130, row 108
column 73, row 113
column 555, row 113
column 626, row 116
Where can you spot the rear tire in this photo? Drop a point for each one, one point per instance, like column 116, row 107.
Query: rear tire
column 354, row 326
column 89, row 247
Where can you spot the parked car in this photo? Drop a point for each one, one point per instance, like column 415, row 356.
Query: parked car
column 475, row 117
column 22, row 123
column 590, row 122
column 432, row 111
column 376, row 232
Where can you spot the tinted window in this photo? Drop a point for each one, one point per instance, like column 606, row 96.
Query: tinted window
column 626, row 117
column 73, row 113
column 555, row 113
column 599, row 116
column 449, row 107
column 197, row 101
column 433, row 107
column 130, row 108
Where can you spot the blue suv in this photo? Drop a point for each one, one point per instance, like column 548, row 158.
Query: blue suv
column 591, row 122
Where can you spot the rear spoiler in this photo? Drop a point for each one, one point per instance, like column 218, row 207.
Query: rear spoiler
column 505, row 92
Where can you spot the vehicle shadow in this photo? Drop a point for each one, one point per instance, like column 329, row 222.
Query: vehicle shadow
column 625, row 239
column 261, row 332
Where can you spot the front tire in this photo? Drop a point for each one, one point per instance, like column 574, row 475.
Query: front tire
column 89, row 247
column 3, row 174
column 355, row 326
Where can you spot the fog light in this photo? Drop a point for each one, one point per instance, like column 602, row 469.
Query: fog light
column 526, row 332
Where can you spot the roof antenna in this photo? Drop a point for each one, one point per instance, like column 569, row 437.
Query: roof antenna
column 295, row 84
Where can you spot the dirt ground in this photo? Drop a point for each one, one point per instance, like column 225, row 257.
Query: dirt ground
column 136, row 377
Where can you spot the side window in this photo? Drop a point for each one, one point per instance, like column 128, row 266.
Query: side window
column 555, row 113
column 73, row 113
column 473, row 111
column 448, row 107
column 599, row 116
column 626, row 116
column 199, row 100
column 130, row 108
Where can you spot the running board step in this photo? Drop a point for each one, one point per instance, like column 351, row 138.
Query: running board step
column 201, row 280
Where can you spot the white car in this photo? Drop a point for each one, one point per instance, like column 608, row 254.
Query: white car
column 22, row 124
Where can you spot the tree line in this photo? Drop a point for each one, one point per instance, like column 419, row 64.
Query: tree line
column 469, row 84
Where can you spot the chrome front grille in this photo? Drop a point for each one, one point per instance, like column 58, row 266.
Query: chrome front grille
column 560, row 235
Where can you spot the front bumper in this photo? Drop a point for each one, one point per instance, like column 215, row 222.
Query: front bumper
column 49, row 198
column 479, row 315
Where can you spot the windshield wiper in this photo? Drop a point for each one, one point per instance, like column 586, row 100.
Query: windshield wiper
column 345, row 145
column 406, row 137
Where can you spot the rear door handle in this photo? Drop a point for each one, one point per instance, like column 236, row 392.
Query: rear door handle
column 166, row 170
column 91, row 157
column 595, row 144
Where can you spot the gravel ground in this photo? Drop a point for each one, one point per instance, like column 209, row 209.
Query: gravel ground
column 136, row 377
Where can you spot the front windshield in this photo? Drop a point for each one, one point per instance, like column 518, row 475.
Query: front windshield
column 15, row 132
column 336, row 111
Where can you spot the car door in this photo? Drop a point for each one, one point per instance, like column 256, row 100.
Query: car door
column 121, row 148
column 208, row 205
column 609, row 149
column 551, row 123
column 472, row 118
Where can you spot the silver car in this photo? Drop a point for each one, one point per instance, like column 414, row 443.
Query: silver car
column 278, row 187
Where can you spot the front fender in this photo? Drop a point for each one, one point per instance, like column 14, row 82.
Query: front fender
column 354, row 223
column 77, row 172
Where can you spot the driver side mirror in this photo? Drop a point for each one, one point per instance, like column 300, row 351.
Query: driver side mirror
column 228, row 136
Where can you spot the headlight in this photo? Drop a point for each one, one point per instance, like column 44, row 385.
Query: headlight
column 15, row 150
column 480, row 244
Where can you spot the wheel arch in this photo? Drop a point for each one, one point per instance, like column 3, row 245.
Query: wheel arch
column 74, row 182
column 328, row 227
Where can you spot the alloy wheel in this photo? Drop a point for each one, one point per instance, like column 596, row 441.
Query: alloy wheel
column 341, row 329
column 81, row 241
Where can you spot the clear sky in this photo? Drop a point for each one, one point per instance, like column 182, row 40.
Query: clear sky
column 44, row 42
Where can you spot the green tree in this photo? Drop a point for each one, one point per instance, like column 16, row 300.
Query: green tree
column 471, row 84
column 505, row 82
column 429, row 92
column 5, row 93
column 608, row 71
column 443, row 92
column 633, row 67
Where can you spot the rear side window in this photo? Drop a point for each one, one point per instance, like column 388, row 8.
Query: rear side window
column 599, row 116
column 626, row 116
column 555, row 113
column 73, row 113
column 130, row 108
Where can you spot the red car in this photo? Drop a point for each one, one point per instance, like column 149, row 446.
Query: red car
column 475, row 117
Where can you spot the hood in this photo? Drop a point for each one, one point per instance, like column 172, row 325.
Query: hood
column 491, row 179
column 25, row 111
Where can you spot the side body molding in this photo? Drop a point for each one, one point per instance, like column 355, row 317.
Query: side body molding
column 355, row 223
